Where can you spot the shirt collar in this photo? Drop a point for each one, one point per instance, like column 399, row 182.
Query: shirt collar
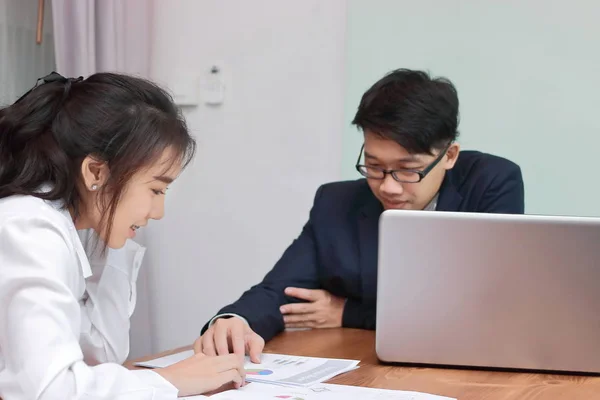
column 59, row 206
column 432, row 204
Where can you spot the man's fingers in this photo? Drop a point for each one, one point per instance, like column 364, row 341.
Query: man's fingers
column 208, row 345
column 294, row 318
column 307, row 324
column 304, row 294
column 221, row 339
column 198, row 346
column 256, row 344
column 237, row 340
column 298, row 308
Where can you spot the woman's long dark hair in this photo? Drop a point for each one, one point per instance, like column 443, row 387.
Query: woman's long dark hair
column 125, row 121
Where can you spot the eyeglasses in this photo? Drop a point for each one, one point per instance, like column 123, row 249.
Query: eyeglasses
column 399, row 175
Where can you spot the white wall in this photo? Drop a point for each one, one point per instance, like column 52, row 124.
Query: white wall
column 22, row 60
column 261, row 155
column 527, row 79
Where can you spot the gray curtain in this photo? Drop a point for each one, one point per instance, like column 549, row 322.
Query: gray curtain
column 22, row 60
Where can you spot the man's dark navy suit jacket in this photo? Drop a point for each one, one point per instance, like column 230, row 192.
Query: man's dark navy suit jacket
column 337, row 249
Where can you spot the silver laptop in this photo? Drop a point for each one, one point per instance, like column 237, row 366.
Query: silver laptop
column 489, row 290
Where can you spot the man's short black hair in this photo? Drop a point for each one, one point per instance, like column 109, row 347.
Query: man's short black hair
column 412, row 109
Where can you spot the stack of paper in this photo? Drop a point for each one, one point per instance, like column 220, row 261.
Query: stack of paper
column 286, row 377
column 320, row 392
column 277, row 369
column 296, row 371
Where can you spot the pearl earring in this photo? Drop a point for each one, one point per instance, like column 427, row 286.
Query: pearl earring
column 94, row 187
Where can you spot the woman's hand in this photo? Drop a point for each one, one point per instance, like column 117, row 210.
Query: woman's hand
column 200, row 373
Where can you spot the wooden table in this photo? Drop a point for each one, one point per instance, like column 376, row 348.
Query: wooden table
column 461, row 384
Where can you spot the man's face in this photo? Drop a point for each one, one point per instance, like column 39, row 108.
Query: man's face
column 389, row 155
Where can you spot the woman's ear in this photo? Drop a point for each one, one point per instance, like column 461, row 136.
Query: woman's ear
column 94, row 173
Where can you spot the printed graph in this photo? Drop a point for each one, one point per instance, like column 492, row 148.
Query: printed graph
column 259, row 372
column 289, row 361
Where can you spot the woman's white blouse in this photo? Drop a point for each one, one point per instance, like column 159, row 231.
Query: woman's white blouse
column 64, row 310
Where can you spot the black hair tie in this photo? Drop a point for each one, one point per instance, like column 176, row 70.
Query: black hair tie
column 68, row 83
column 53, row 77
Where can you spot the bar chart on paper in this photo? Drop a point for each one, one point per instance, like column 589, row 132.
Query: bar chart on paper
column 296, row 371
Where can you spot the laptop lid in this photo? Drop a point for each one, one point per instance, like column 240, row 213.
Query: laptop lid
column 489, row 290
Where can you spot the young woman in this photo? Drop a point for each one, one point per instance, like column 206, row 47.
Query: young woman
column 94, row 156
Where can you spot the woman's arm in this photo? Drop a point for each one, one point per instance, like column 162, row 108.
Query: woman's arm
column 110, row 300
column 41, row 322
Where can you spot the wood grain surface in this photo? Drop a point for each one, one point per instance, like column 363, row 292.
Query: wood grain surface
column 458, row 383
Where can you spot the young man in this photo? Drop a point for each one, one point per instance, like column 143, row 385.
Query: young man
column 328, row 275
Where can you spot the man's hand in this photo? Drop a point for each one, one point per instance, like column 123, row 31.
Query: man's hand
column 323, row 309
column 230, row 335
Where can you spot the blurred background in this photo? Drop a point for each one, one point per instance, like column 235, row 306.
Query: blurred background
column 269, row 88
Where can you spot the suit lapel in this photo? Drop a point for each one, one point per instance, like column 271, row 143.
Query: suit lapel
column 368, row 235
column 450, row 199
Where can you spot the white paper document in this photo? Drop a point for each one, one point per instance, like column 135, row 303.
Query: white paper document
column 166, row 360
column 277, row 369
column 256, row 391
column 281, row 369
